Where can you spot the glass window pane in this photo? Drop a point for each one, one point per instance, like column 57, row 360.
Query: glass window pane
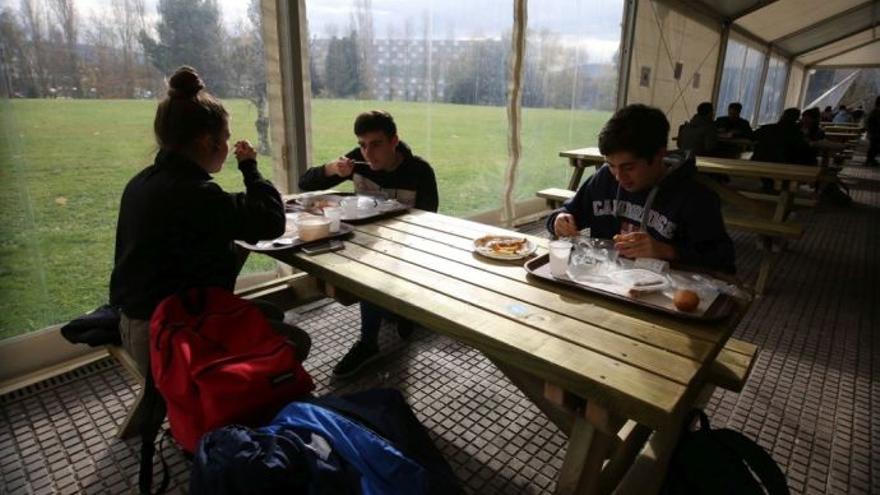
column 438, row 69
column 569, row 85
column 76, row 125
column 774, row 86
column 741, row 76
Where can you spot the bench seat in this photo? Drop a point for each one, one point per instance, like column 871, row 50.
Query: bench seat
column 731, row 368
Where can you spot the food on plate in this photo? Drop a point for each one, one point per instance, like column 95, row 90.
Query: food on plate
column 506, row 246
column 638, row 291
column 324, row 203
column 686, row 300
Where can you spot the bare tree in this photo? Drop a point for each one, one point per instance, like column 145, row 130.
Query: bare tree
column 363, row 22
column 65, row 14
column 35, row 28
column 128, row 22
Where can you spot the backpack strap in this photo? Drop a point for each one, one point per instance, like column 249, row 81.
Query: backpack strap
column 154, row 408
column 757, row 459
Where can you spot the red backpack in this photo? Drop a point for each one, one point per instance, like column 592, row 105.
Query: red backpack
column 216, row 361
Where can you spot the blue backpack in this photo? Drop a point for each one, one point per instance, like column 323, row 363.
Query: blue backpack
column 364, row 443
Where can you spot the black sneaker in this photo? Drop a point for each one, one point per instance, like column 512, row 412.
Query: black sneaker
column 405, row 328
column 356, row 358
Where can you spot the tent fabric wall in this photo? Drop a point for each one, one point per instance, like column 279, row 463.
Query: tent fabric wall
column 868, row 55
column 795, row 84
column 665, row 37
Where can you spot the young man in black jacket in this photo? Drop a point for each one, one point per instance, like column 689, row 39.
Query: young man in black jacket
column 647, row 199
column 381, row 165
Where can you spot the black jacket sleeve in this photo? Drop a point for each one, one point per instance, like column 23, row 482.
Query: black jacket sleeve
column 257, row 213
column 427, row 197
column 315, row 180
column 704, row 241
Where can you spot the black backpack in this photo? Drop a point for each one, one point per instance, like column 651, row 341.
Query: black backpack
column 721, row 462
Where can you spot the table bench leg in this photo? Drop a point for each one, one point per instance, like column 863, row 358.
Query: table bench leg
column 587, row 449
column 533, row 388
column 766, row 265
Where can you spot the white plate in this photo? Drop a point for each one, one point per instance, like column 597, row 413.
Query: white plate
column 484, row 244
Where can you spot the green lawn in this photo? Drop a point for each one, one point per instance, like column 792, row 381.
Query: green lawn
column 63, row 165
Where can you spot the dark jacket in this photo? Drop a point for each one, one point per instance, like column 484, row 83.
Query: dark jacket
column 412, row 183
column 176, row 228
column 872, row 124
column 739, row 127
column 367, row 443
column 678, row 211
column 699, row 135
column 782, row 143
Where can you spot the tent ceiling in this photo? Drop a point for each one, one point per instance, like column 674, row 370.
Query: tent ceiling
column 804, row 28
column 856, row 57
column 818, row 55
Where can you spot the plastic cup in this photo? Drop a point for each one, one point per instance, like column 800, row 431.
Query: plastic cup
column 559, row 253
column 350, row 207
column 334, row 214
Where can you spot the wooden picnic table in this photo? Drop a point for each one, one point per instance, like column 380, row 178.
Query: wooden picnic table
column 639, row 372
column 827, row 149
column 843, row 136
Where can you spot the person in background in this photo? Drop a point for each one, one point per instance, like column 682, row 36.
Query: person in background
column 872, row 128
column 732, row 125
column 782, row 142
column 699, row 135
column 827, row 114
column 810, row 124
column 381, row 165
column 842, row 116
column 176, row 227
column 858, row 114
column 647, row 200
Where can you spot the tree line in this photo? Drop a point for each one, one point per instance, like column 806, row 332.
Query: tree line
column 49, row 49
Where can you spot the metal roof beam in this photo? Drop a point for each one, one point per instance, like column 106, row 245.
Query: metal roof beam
column 843, row 52
column 757, row 6
column 824, row 21
column 839, row 38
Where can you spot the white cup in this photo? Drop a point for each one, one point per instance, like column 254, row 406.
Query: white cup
column 350, row 206
column 559, row 253
column 334, row 213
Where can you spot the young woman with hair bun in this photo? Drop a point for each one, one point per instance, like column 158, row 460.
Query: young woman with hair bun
column 176, row 226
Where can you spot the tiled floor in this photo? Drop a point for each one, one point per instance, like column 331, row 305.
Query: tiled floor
column 811, row 400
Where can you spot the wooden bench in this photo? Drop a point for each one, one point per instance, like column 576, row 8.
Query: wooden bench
column 129, row 426
column 732, row 367
column 555, row 196
column 770, row 228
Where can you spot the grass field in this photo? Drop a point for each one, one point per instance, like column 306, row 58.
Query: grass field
column 64, row 164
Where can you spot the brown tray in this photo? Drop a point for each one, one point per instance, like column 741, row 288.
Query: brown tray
column 720, row 308
column 293, row 205
column 344, row 229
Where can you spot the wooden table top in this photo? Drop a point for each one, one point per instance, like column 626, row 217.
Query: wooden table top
column 638, row 363
column 729, row 166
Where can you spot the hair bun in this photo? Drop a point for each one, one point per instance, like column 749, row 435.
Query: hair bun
column 185, row 83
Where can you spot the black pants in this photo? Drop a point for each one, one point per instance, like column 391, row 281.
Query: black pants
column 297, row 335
column 371, row 321
column 873, row 150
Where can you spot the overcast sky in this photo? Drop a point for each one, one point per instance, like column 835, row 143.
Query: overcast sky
column 593, row 24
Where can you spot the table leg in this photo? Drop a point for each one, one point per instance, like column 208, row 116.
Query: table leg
column 576, row 174
column 587, row 449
